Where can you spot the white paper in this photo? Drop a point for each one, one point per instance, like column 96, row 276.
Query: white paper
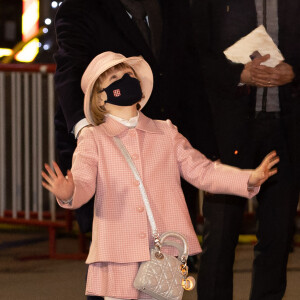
column 257, row 40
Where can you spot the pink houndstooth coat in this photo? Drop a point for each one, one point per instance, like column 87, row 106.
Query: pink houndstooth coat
column 121, row 232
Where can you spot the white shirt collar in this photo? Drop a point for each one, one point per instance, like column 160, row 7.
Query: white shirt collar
column 132, row 122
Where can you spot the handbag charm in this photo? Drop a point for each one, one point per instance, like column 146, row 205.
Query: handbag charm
column 163, row 277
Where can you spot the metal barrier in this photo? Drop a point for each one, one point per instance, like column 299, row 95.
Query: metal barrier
column 27, row 102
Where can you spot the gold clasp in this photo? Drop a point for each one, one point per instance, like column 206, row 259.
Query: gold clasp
column 188, row 283
column 159, row 255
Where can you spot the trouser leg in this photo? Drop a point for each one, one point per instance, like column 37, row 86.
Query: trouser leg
column 276, row 213
column 223, row 216
column 277, row 208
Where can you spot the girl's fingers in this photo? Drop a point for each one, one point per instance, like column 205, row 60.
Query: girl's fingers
column 50, row 171
column 46, row 186
column 57, row 169
column 70, row 176
column 47, row 178
column 269, row 157
column 271, row 154
column 273, row 163
column 272, row 172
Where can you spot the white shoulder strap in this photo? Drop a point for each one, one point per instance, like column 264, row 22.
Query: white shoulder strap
column 141, row 186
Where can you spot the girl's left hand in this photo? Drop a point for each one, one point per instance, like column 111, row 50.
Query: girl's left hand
column 264, row 170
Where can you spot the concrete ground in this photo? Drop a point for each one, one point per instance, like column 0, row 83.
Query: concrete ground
column 45, row 279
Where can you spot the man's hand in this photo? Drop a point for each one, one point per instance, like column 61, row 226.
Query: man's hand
column 262, row 76
column 264, row 170
column 248, row 74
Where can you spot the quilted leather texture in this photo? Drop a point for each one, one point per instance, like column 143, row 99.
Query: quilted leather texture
column 160, row 278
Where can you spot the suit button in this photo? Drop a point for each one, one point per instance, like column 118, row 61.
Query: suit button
column 136, row 183
column 140, row 209
column 142, row 235
column 135, row 156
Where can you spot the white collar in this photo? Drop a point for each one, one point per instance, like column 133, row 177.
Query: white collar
column 132, row 122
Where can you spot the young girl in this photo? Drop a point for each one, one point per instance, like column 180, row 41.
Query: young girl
column 116, row 88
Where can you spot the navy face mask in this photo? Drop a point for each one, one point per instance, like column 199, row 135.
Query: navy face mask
column 124, row 92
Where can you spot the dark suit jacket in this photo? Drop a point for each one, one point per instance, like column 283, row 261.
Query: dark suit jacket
column 217, row 25
column 86, row 28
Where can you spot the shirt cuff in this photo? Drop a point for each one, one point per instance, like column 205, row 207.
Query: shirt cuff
column 253, row 190
column 66, row 201
column 79, row 125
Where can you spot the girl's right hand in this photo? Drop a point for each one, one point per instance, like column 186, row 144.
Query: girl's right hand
column 62, row 187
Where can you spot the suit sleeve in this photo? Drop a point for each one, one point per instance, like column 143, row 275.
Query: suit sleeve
column 207, row 175
column 84, row 170
column 296, row 68
column 217, row 70
column 74, row 33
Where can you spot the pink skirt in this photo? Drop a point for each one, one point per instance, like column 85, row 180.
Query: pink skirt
column 114, row 280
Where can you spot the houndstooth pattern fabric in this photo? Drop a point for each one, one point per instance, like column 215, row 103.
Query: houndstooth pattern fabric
column 121, row 232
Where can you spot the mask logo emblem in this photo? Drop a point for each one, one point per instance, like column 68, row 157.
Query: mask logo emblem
column 117, row 93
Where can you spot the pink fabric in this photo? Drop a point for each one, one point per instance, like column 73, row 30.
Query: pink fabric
column 121, row 232
column 161, row 155
column 113, row 280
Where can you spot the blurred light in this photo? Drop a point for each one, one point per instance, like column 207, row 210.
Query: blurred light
column 30, row 19
column 5, row 52
column 54, row 4
column 236, row 152
column 45, row 30
column 40, row 44
column 48, row 21
column 46, row 47
column 29, row 51
column 60, row 3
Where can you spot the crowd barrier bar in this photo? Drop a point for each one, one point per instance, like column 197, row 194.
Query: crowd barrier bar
column 27, row 102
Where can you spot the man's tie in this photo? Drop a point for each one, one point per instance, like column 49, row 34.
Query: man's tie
column 138, row 13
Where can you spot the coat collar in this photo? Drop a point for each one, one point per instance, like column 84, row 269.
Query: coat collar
column 113, row 128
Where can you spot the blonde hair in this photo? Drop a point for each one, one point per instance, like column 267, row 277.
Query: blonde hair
column 98, row 112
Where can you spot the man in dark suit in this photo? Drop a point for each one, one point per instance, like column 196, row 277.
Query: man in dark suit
column 87, row 28
column 157, row 30
column 245, row 129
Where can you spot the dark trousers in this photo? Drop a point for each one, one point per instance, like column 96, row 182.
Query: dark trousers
column 223, row 216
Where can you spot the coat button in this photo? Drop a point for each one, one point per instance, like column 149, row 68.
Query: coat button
column 132, row 133
column 136, row 183
column 135, row 156
column 140, row 209
column 142, row 235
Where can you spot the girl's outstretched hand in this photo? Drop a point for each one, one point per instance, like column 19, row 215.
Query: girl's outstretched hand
column 62, row 187
column 264, row 170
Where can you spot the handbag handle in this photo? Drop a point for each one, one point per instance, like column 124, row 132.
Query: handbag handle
column 183, row 250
